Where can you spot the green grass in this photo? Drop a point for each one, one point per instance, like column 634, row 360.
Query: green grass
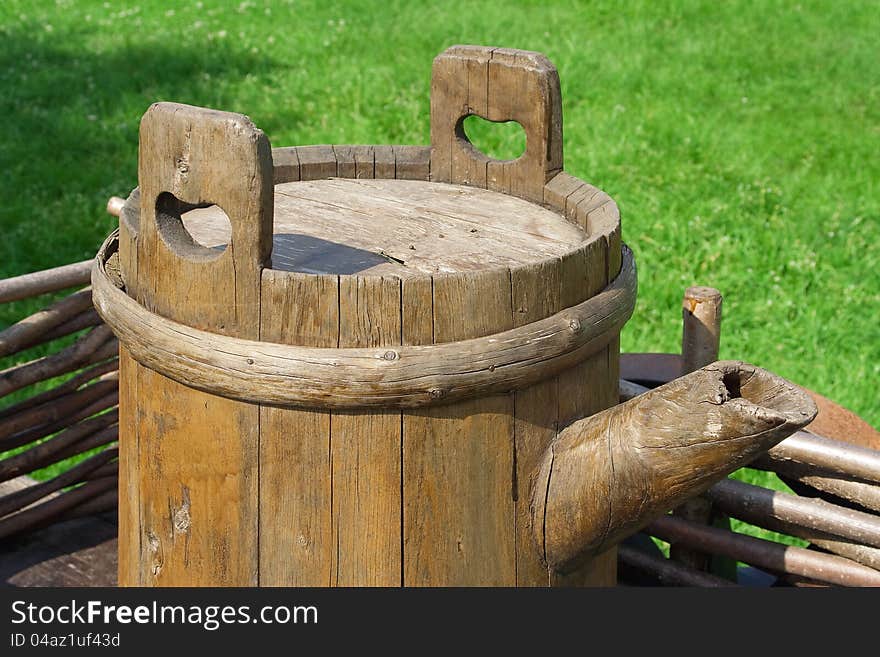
column 740, row 139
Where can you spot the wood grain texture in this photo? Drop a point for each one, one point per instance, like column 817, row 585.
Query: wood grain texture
column 701, row 327
column 366, row 447
column 652, row 452
column 404, row 228
column 384, row 164
column 23, row 333
column 459, row 523
column 41, row 282
column 536, row 292
column 833, row 456
column 296, row 525
column 198, row 453
column 316, row 162
column 129, row 571
column 829, row 486
column 285, row 164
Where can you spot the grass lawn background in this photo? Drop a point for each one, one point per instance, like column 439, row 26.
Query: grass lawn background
column 740, row 139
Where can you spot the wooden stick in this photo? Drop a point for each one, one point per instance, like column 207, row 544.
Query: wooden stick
column 869, row 556
column 21, row 333
column 700, row 337
column 765, row 554
column 753, row 503
column 25, row 437
column 108, row 469
column 863, row 554
column 701, row 315
column 52, row 450
column 801, row 582
column 115, row 205
column 43, row 514
column 97, row 345
column 83, row 320
column 59, row 391
column 832, row 455
column 48, row 280
column 86, row 469
column 826, row 484
column 652, row 453
column 104, row 437
column 668, row 572
column 52, row 411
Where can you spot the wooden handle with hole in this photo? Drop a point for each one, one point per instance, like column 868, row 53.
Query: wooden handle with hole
column 497, row 84
column 191, row 156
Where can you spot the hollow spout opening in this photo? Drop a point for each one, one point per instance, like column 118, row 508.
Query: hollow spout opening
column 762, row 392
column 733, row 383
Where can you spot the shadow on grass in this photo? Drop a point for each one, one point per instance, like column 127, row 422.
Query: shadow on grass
column 69, row 134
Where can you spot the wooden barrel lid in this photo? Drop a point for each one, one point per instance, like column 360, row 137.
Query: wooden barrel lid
column 400, row 228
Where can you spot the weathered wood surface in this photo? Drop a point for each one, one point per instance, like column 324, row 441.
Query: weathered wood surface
column 95, row 346
column 458, row 461
column 649, row 454
column 197, row 526
column 402, row 228
column 701, row 327
column 14, row 426
column 96, row 466
column 366, row 448
column 296, row 489
column 793, row 526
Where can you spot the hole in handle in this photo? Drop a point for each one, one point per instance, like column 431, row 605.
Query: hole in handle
column 496, row 140
column 198, row 232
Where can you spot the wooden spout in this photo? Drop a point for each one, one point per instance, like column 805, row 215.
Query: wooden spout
column 608, row 475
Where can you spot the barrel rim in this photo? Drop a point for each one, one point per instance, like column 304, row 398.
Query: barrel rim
column 594, row 212
column 344, row 378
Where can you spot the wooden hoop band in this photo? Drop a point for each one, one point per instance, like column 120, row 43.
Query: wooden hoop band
column 397, row 377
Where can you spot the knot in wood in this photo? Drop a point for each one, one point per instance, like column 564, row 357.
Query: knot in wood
column 574, row 325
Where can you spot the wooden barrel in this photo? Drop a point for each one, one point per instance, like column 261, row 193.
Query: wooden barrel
column 351, row 381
